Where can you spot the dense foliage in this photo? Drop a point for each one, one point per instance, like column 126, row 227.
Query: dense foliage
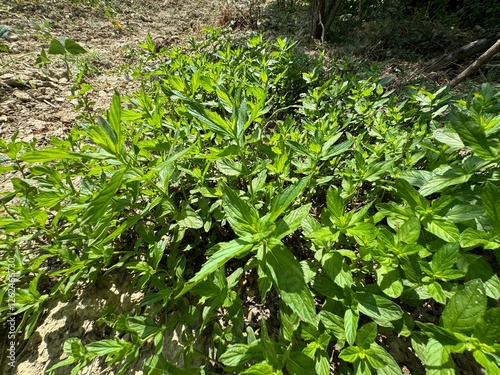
column 244, row 171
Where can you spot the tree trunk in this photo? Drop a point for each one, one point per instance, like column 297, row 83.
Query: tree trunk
column 323, row 13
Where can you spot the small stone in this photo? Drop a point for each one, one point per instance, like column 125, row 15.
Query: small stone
column 22, row 96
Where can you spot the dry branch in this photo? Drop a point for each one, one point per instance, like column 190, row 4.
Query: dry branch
column 460, row 54
column 474, row 67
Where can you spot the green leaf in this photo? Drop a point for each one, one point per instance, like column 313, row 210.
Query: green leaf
column 416, row 177
column 188, row 218
column 410, row 195
column 103, row 136
column 334, row 203
column 211, row 120
column 390, row 282
column 491, row 204
column 471, row 238
column 352, row 354
column 229, row 167
column 240, row 214
column 47, row 154
column 472, row 134
column 366, row 335
column 445, row 257
column 333, row 323
column 114, row 118
column 336, row 268
column 351, row 319
column 438, row 359
column 487, row 329
column 100, row 203
column 73, row 47
column 449, row 138
column 363, row 233
column 300, row 364
column 463, row 212
column 465, row 308
column 380, row 309
column 443, row 178
column 389, row 365
column 322, row 365
column 56, row 48
column 281, row 202
column 443, row 229
column 222, row 252
column 259, row 369
column 240, row 354
column 142, row 326
column 291, row 221
column 104, row 347
column 157, row 365
column 436, row 291
column 288, row 279
column 409, row 232
column 489, row 361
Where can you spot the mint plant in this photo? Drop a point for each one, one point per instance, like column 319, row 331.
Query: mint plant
column 239, row 173
column 64, row 47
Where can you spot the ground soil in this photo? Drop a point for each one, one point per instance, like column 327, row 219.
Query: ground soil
column 35, row 105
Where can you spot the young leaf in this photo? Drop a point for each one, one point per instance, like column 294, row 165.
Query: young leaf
column 465, row 308
column 352, row 354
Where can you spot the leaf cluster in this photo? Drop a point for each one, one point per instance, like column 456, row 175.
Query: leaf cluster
column 242, row 173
